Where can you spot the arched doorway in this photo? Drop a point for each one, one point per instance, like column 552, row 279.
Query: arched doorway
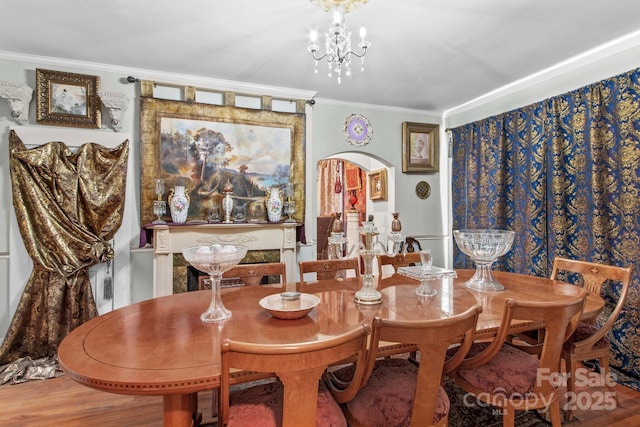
column 337, row 170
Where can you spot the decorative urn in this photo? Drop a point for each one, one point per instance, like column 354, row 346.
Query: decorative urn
column 179, row 204
column 274, row 204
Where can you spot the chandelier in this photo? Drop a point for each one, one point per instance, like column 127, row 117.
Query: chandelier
column 338, row 39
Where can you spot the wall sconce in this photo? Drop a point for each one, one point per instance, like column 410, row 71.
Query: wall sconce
column 18, row 96
column 116, row 103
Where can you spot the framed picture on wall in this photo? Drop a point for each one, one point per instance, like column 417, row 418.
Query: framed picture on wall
column 378, row 185
column 352, row 176
column 67, row 99
column 205, row 146
column 420, row 143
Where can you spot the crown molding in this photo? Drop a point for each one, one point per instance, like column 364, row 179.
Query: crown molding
column 604, row 61
column 388, row 108
column 277, row 92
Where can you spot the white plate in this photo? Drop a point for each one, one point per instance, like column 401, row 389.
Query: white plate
column 287, row 309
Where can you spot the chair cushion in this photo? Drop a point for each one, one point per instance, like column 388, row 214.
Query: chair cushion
column 511, row 371
column 261, row 406
column 584, row 331
column 387, row 398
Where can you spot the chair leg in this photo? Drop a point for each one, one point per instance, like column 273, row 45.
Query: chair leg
column 605, row 371
column 571, row 363
column 508, row 416
column 196, row 416
column 554, row 412
column 214, row 403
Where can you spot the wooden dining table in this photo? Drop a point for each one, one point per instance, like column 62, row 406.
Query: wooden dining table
column 160, row 346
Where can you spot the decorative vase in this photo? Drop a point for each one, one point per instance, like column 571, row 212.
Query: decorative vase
column 396, row 225
column 274, row 204
column 338, row 224
column 353, row 199
column 179, row 204
column 227, row 202
column 395, row 236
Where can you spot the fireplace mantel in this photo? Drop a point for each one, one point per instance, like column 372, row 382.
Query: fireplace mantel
column 169, row 239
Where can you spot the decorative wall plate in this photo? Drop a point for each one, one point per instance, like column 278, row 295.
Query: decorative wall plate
column 423, row 189
column 357, row 130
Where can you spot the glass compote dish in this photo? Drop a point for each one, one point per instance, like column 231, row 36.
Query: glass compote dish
column 215, row 260
column 426, row 269
column 426, row 273
column 484, row 247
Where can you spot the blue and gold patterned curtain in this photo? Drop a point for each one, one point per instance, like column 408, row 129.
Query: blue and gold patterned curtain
column 565, row 175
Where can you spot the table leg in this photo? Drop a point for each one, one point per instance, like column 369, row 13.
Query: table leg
column 179, row 409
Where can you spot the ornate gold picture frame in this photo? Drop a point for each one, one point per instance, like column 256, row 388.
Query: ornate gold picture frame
column 203, row 146
column 420, row 147
column 378, row 185
column 67, row 99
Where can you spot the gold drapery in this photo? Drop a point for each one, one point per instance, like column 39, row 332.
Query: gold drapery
column 68, row 206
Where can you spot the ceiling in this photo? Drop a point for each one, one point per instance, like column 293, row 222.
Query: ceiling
column 430, row 55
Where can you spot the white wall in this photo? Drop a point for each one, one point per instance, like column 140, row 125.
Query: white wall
column 418, row 216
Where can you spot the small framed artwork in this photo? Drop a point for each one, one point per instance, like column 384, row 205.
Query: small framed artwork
column 352, row 176
column 420, row 147
column 378, row 185
column 67, row 99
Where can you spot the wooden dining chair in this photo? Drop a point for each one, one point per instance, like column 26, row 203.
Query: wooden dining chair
column 253, row 274
column 248, row 275
column 399, row 260
column 298, row 398
column 507, row 377
column 329, row 268
column 410, row 244
column 394, row 391
column 590, row 340
column 324, row 225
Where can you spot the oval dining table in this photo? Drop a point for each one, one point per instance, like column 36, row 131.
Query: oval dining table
column 160, row 346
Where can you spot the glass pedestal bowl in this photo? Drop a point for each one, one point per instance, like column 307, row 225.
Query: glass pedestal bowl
column 214, row 260
column 484, row 247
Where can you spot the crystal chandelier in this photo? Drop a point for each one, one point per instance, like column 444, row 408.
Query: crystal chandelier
column 338, row 39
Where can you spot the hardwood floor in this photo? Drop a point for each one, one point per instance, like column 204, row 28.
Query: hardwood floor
column 63, row 402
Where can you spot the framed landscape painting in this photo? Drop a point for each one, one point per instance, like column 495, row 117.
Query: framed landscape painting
column 207, row 146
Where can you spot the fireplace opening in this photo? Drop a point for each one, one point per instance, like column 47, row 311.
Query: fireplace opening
column 187, row 278
column 197, row 280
